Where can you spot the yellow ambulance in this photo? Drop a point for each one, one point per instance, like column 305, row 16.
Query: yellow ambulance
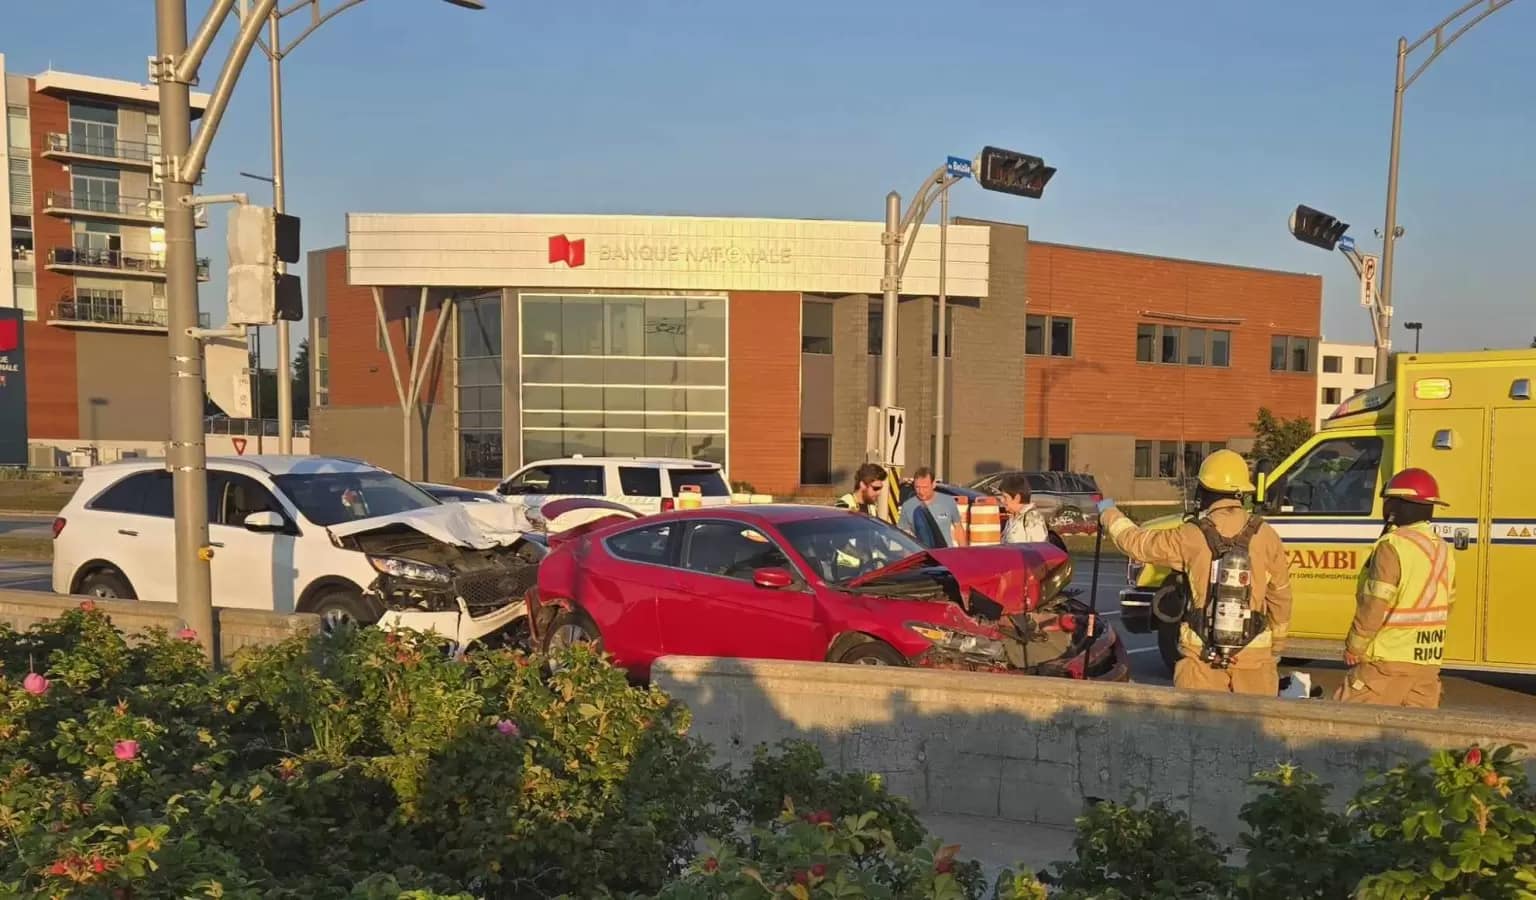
column 1470, row 420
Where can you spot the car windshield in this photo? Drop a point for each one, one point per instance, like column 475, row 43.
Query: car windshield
column 841, row 548
column 328, row 498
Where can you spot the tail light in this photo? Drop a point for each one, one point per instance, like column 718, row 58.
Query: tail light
column 1097, row 498
column 1067, row 623
column 58, row 526
column 668, row 504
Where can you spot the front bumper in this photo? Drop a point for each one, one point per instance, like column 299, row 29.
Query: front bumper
column 1136, row 610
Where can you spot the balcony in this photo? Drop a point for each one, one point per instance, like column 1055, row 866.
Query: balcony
column 84, row 261
column 132, row 210
column 100, row 315
column 130, row 154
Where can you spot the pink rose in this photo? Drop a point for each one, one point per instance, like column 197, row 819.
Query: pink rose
column 88, row 606
column 187, row 634
column 508, row 728
column 126, row 750
column 35, row 684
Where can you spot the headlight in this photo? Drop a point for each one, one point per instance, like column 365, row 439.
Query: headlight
column 409, row 569
column 958, row 642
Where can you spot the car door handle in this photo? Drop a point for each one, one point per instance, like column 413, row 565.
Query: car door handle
column 215, row 543
column 127, row 533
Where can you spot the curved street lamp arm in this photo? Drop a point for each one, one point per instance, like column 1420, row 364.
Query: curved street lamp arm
column 921, row 204
column 319, row 20
column 192, row 164
column 1437, row 34
column 912, row 214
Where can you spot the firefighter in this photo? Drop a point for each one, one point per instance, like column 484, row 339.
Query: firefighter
column 1233, row 644
column 1402, row 602
column 868, row 490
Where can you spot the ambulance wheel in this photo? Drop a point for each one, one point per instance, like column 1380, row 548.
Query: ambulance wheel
column 1168, row 645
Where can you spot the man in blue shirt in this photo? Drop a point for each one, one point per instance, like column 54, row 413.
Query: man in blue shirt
column 941, row 507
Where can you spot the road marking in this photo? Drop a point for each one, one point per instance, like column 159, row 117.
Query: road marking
column 1143, row 650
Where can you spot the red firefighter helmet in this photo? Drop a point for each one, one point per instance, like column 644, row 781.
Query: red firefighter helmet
column 1415, row 486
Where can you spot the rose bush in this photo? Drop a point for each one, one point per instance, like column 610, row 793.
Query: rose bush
column 370, row 765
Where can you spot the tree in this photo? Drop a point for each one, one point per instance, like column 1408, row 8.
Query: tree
column 1274, row 438
column 300, row 387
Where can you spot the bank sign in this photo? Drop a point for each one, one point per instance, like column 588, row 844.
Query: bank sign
column 13, row 388
column 644, row 252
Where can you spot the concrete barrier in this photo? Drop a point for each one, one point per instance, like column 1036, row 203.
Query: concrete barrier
column 1035, row 749
column 234, row 628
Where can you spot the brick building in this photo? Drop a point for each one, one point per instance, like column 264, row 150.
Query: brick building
column 85, row 274
column 756, row 342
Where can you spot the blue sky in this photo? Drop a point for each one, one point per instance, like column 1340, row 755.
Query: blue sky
column 1180, row 128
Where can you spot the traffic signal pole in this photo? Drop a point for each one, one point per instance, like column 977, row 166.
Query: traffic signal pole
column 1389, row 237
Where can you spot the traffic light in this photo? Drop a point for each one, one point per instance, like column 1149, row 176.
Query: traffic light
column 1012, row 173
column 1317, row 228
column 259, row 238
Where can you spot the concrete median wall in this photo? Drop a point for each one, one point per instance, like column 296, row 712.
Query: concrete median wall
column 236, row 628
column 1036, row 749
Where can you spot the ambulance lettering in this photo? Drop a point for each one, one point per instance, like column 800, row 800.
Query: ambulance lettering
column 1329, row 560
column 1431, row 645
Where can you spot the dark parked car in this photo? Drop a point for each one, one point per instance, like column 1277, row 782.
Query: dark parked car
column 1069, row 500
column 809, row 583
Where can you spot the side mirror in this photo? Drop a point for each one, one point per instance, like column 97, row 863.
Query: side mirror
column 1263, row 467
column 773, row 579
column 264, row 522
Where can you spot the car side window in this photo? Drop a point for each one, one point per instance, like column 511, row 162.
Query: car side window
column 580, row 480
column 1336, row 477
column 642, row 545
column 232, row 497
column 158, row 500
column 126, row 496
column 636, row 482
column 730, row 549
column 533, row 481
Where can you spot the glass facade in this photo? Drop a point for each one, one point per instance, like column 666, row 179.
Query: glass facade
column 478, row 385
column 609, row 375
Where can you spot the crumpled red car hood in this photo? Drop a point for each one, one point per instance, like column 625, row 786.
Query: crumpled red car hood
column 1009, row 575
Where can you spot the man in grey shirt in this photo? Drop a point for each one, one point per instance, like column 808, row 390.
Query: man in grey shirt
column 942, row 507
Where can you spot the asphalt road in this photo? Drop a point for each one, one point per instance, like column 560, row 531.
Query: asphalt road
column 25, row 576
column 1504, row 694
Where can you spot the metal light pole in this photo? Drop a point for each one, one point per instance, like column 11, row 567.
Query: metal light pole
column 275, row 52
column 939, row 400
column 1417, row 328
column 1404, row 79
column 174, row 68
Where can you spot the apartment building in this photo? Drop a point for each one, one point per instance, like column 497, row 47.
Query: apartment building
column 85, row 275
column 1346, row 370
column 757, row 343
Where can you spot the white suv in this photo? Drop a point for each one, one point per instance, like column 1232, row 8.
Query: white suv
column 647, row 486
column 318, row 534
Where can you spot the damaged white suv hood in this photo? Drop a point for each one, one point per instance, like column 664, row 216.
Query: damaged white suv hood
column 479, row 526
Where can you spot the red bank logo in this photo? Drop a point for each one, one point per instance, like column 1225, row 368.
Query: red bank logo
column 10, row 335
column 563, row 249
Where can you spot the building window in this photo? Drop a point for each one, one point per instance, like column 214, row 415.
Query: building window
column 1292, row 354
column 93, row 129
column 1175, row 345
column 815, row 459
column 1053, row 333
column 816, row 327
column 25, row 293
column 1333, row 365
column 876, row 328
column 320, row 359
column 478, row 384
column 20, row 175
column 94, row 188
column 623, row 376
column 1365, row 365
column 95, row 238
column 21, row 235
column 97, row 305
column 152, row 134
column 1170, row 338
column 1047, row 454
column 1057, row 457
column 18, row 129
column 1332, row 396
column 1172, row 459
column 1146, row 344
column 949, row 331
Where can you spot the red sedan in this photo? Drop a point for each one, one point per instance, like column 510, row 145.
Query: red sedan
column 807, row 583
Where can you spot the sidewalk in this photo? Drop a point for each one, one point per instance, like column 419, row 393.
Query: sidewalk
column 999, row 844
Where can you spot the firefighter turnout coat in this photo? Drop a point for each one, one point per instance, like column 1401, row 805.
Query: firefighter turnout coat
column 1404, row 598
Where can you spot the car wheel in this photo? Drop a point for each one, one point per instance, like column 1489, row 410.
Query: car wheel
column 342, row 608
column 107, row 584
column 873, row 653
column 572, row 628
column 1168, row 644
